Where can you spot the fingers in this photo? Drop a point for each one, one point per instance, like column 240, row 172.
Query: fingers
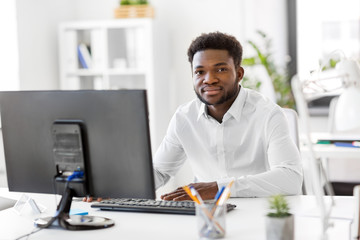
column 182, row 198
column 90, row 199
column 87, row 199
column 178, row 195
column 207, row 190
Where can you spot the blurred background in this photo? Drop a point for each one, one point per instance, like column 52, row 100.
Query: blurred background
column 280, row 38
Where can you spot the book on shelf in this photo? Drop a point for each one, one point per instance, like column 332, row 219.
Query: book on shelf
column 84, row 56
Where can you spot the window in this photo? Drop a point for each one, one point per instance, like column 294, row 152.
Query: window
column 324, row 26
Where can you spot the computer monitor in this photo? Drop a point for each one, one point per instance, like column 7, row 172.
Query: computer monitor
column 101, row 134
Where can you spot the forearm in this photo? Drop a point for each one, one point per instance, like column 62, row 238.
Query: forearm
column 277, row 181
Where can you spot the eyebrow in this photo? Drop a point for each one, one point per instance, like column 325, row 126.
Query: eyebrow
column 216, row 65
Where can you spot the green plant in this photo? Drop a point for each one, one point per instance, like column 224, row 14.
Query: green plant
column 124, row 2
column 280, row 206
column 279, row 77
column 133, row 2
column 331, row 64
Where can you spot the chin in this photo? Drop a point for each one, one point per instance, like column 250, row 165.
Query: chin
column 209, row 101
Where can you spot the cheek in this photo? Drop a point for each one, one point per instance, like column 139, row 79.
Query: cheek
column 197, row 82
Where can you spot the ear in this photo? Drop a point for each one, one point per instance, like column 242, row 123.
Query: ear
column 240, row 73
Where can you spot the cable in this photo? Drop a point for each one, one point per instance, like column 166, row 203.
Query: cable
column 76, row 174
column 54, row 188
column 35, row 230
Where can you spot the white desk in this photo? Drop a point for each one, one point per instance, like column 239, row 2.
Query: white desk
column 340, row 163
column 330, row 150
column 247, row 221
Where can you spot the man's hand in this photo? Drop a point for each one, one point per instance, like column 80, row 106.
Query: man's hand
column 207, row 190
column 90, row 199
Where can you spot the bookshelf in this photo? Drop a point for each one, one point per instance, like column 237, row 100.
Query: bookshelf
column 120, row 51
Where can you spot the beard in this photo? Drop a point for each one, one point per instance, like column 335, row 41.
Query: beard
column 224, row 98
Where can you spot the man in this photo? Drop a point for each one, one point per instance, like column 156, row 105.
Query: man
column 228, row 132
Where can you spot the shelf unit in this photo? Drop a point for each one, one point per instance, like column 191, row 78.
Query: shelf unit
column 121, row 56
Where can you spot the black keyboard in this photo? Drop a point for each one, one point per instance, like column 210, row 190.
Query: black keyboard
column 150, row 206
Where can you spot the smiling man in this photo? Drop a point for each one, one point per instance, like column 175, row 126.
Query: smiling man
column 228, row 132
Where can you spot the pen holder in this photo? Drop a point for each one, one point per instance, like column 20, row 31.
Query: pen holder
column 211, row 220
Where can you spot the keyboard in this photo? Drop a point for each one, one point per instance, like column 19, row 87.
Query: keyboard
column 150, row 206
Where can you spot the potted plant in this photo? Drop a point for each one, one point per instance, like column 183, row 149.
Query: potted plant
column 279, row 77
column 134, row 9
column 279, row 222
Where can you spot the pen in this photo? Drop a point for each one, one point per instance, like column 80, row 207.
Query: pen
column 218, row 194
column 196, row 194
column 225, row 195
column 344, row 144
column 217, row 198
column 187, row 190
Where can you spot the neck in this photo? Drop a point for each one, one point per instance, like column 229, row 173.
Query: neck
column 218, row 111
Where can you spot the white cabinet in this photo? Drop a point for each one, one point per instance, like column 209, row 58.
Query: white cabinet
column 120, row 56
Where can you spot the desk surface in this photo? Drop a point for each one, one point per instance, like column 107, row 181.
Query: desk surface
column 247, row 221
column 330, row 150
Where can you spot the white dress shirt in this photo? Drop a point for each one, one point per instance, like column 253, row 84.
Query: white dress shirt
column 252, row 145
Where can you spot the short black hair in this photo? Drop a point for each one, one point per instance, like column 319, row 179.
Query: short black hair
column 217, row 40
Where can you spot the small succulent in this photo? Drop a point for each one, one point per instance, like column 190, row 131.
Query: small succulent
column 279, row 205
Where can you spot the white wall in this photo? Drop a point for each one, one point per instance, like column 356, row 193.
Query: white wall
column 9, row 70
column 182, row 21
column 38, row 46
column 176, row 24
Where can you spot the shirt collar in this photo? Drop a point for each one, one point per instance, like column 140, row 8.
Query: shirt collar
column 235, row 109
column 202, row 111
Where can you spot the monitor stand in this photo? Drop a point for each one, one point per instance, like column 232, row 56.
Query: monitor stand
column 73, row 222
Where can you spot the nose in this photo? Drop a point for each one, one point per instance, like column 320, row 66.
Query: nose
column 210, row 78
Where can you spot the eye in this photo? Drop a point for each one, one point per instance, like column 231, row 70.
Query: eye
column 199, row 72
column 222, row 70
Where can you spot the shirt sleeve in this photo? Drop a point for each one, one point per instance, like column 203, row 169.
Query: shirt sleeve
column 169, row 157
column 285, row 169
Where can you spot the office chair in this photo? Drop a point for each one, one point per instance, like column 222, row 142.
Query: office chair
column 292, row 118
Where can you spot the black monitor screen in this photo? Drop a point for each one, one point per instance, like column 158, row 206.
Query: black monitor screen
column 115, row 135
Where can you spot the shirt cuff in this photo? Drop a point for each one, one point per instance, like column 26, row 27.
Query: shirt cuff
column 223, row 182
column 239, row 185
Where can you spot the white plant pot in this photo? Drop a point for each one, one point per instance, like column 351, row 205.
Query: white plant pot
column 280, row 228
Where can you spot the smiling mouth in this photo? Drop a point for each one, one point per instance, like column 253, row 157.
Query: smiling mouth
column 211, row 90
